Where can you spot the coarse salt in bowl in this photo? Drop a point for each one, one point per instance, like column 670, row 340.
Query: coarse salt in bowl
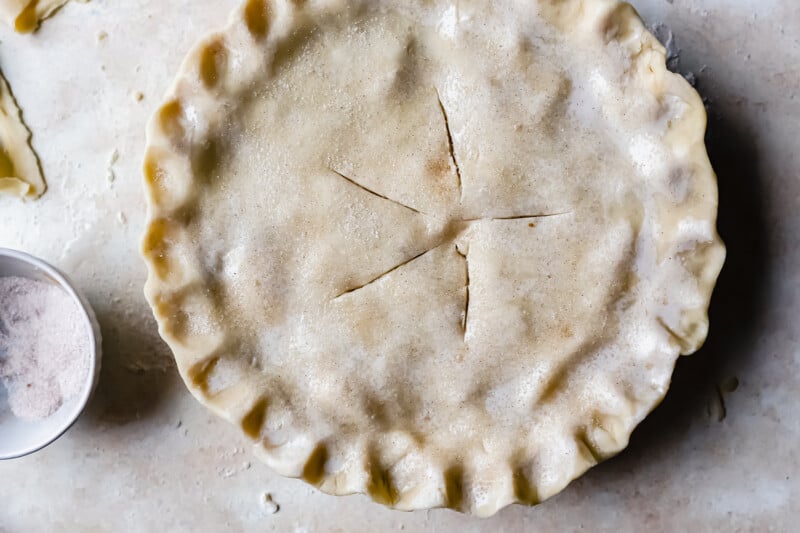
column 21, row 436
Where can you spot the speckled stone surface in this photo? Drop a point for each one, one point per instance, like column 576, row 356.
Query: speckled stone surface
column 146, row 456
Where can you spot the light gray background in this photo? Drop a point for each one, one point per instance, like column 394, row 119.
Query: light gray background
column 147, row 457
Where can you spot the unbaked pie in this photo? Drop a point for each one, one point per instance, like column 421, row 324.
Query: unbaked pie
column 445, row 253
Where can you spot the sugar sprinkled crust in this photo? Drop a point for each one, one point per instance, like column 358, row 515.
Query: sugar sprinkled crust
column 441, row 253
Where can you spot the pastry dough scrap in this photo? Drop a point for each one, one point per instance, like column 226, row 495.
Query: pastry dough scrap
column 26, row 15
column 20, row 174
column 445, row 254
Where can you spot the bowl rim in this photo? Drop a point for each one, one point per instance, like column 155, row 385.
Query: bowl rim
column 90, row 320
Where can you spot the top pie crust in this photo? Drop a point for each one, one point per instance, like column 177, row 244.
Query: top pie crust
column 444, row 253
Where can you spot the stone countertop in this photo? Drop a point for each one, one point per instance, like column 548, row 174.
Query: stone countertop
column 146, row 456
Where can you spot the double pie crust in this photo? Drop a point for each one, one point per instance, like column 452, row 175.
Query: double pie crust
column 444, row 253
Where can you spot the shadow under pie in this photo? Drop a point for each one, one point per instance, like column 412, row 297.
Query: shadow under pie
column 136, row 374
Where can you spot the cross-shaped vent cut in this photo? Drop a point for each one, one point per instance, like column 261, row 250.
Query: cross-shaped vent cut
column 448, row 236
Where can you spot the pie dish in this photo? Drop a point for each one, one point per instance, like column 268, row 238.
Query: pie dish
column 442, row 253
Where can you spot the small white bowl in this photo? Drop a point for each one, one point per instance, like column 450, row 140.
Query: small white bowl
column 19, row 437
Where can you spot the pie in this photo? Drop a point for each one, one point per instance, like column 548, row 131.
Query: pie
column 20, row 174
column 442, row 253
